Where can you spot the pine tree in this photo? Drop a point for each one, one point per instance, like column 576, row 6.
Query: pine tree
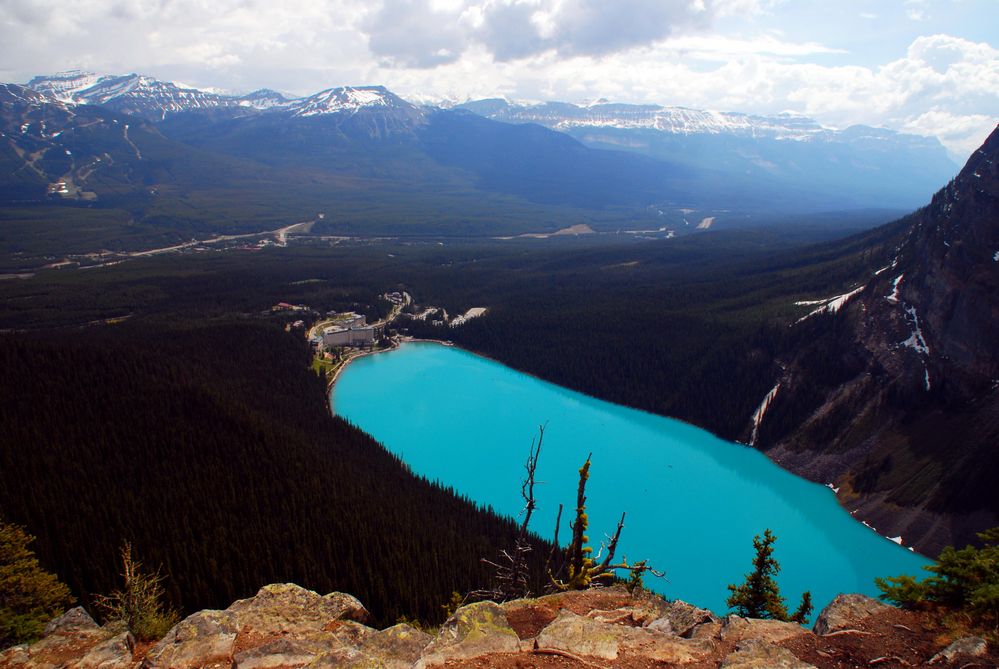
column 29, row 595
column 139, row 604
column 759, row 596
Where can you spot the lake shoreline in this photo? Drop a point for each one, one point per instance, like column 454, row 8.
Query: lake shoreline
column 459, row 417
column 397, row 344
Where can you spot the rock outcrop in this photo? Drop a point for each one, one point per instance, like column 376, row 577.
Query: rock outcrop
column 288, row 627
column 845, row 610
column 895, row 398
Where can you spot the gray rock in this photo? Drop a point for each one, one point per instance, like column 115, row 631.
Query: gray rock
column 114, row 653
column 582, row 636
column 756, row 654
column 585, row 636
column 343, row 658
column 67, row 638
column 200, row 639
column 73, row 621
column 289, row 608
column 15, row 656
column 348, row 607
column 349, row 633
column 969, row 646
column 474, row 630
column 399, row 646
column 845, row 612
column 284, row 652
column 680, row 619
column 738, row 629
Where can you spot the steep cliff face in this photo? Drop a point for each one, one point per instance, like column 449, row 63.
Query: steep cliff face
column 895, row 398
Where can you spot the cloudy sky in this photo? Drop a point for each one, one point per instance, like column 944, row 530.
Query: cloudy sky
column 923, row 66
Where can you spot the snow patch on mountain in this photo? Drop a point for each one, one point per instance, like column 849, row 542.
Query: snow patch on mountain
column 916, row 341
column 265, row 99
column 132, row 93
column 66, row 86
column 346, row 100
column 830, row 304
column 672, row 120
column 682, row 121
column 893, row 295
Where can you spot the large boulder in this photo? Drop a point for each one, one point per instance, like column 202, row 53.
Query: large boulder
column 757, row 654
column 845, row 612
column 284, row 652
column 282, row 625
column 200, row 639
column 474, row 630
column 67, row 638
column 286, row 608
column 738, row 629
column 398, row 647
column 74, row 621
column 113, row 653
column 967, row 647
column 582, row 635
column 680, row 618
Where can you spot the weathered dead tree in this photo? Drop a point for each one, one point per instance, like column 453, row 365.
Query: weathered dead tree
column 578, row 569
column 512, row 575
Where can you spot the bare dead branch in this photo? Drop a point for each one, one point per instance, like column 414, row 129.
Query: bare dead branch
column 527, row 486
column 844, row 632
column 612, row 546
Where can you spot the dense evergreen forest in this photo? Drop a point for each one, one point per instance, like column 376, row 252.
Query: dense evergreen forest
column 211, row 449
column 693, row 333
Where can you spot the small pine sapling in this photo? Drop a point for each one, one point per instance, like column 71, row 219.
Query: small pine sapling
column 759, row 596
column 138, row 605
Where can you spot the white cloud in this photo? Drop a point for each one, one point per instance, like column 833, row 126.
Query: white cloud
column 721, row 48
column 656, row 51
column 963, row 132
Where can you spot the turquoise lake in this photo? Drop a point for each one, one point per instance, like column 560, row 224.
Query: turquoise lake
column 693, row 501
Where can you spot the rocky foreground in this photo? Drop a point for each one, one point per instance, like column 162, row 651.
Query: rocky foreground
column 286, row 626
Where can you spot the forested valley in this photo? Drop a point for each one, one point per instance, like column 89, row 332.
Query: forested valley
column 173, row 375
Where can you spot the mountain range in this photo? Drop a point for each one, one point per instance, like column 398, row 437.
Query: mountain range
column 860, row 161
column 478, row 168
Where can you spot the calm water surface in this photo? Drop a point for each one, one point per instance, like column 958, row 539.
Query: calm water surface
column 693, row 501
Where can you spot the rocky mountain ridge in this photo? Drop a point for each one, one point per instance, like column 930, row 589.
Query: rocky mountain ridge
column 285, row 625
column 154, row 100
column 786, row 149
column 676, row 120
column 791, row 151
column 905, row 424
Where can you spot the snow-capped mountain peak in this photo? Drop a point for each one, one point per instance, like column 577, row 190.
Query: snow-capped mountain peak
column 66, row 86
column 349, row 99
column 131, row 93
column 672, row 120
column 266, row 98
column 22, row 95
